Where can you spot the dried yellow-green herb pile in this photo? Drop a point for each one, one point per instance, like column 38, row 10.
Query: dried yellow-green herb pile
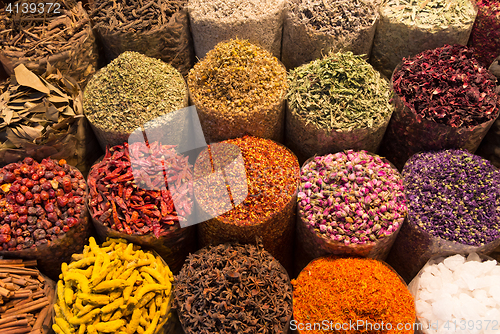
column 239, row 88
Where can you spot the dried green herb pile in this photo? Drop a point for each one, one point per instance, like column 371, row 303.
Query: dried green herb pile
column 334, row 17
column 430, row 12
column 341, row 91
column 233, row 289
column 238, row 88
column 131, row 90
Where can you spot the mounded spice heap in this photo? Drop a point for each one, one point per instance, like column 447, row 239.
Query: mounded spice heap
column 158, row 29
column 428, row 24
column 215, row 21
column 444, row 99
column 39, row 33
column 272, row 173
column 26, row 298
column 315, row 27
column 233, row 289
column 141, row 193
column 485, row 34
column 130, row 91
column 453, row 195
column 453, row 199
column 42, row 116
column 456, row 290
column 351, row 197
column 116, row 287
column 39, row 202
column 42, row 212
column 130, row 193
column 238, row 89
column 351, row 290
column 335, row 103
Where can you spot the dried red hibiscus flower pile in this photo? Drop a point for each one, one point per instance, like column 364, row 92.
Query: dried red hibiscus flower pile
column 39, row 202
column 447, row 85
column 485, row 35
column 141, row 188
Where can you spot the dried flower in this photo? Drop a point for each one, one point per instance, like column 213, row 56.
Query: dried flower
column 351, row 197
column 454, row 195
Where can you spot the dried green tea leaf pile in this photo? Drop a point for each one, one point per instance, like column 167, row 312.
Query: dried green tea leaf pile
column 341, row 91
column 334, row 17
column 233, row 289
column 129, row 14
column 237, row 82
column 41, row 113
column 430, row 12
column 132, row 90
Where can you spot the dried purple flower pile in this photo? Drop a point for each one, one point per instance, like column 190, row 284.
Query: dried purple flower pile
column 351, row 197
column 447, row 85
column 454, row 195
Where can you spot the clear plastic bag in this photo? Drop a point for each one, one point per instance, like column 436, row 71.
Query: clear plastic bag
column 394, row 40
column 302, row 44
column 414, row 247
column 422, row 327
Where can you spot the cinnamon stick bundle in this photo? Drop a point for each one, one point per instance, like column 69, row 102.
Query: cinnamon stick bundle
column 26, row 298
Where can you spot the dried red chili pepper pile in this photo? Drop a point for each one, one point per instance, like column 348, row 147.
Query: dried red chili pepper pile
column 38, row 202
column 129, row 191
column 485, row 34
column 448, row 86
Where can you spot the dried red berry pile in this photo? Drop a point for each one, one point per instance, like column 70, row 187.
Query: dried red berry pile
column 38, row 202
column 129, row 192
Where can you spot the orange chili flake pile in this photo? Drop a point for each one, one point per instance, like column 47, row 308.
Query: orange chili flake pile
column 272, row 174
column 333, row 292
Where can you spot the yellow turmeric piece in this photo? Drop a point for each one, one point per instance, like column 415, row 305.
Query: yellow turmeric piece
column 113, row 288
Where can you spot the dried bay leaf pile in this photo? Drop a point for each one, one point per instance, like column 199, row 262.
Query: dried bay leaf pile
column 42, row 116
column 60, row 35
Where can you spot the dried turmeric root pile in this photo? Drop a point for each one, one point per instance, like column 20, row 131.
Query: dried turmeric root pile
column 115, row 288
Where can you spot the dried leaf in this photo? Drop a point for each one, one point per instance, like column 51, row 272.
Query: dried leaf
column 7, row 115
column 32, row 133
column 58, row 99
column 29, row 79
column 52, row 114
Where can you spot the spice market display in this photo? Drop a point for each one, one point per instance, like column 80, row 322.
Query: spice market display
column 159, row 29
column 42, row 116
column 352, row 91
column 444, row 99
column 43, row 213
column 112, row 288
column 349, row 203
column 336, row 103
column 131, row 196
column 38, row 34
column 314, row 28
column 408, row 27
column 239, row 89
column 216, row 21
column 453, row 207
column 268, row 211
column 457, row 293
column 233, row 288
column 485, row 35
column 361, row 291
column 26, row 298
column 130, row 91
